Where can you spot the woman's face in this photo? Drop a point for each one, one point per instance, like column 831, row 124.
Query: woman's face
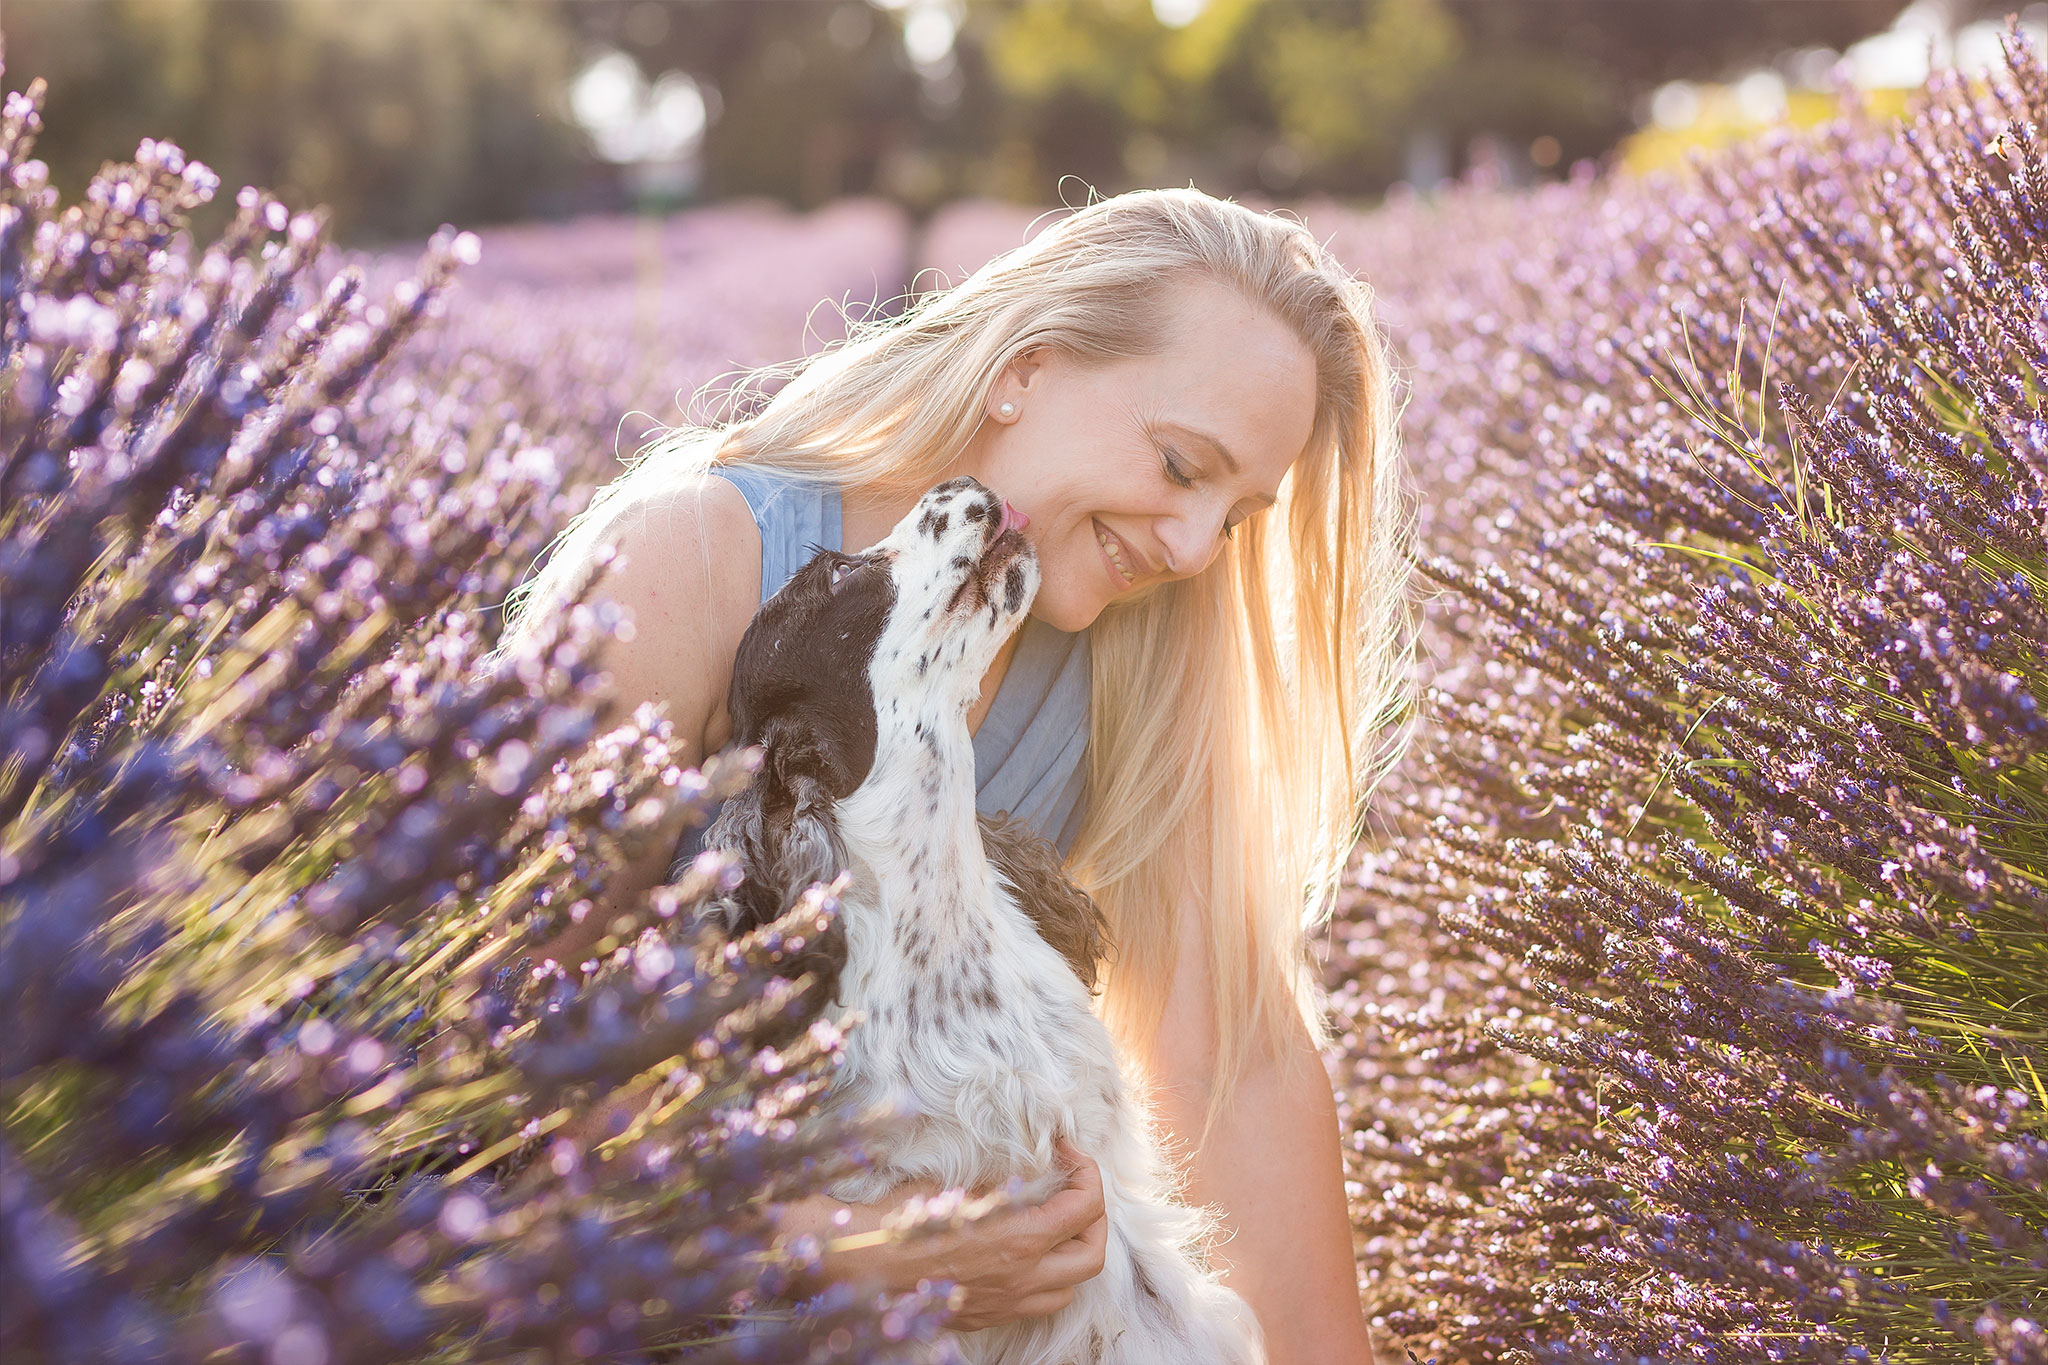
column 1126, row 469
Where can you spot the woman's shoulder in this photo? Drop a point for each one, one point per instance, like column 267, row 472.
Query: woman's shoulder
column 765, row 485
column 688, row 569
column 696, row 532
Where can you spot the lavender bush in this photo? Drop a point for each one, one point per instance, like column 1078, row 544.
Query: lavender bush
column 1696, row 1005
column 282, row 1080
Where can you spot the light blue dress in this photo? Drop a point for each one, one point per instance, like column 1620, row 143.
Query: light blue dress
column 1029, row 749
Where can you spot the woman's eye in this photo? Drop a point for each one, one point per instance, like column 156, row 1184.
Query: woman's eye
column 1174, row 471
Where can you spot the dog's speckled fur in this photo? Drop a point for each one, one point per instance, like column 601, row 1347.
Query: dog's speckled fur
column 969, row 973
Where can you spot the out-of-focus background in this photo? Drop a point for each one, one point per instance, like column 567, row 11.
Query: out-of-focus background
column 404, row 114
column 673, row 192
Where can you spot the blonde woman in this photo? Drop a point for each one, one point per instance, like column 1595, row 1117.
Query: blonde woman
column 1190, row 402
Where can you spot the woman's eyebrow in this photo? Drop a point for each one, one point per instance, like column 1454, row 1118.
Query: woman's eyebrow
column 1223, row 453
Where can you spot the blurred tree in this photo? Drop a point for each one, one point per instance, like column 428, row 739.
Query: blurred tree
column 402, row 114
column 1640, row 45
column 1345, row 78
column 1082, row 76
column 1289, row 96
column 1580, row 71
column 399, row 115
column 1290, row 92
column 812, row 97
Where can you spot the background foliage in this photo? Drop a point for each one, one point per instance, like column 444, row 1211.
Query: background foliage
column 402, row 116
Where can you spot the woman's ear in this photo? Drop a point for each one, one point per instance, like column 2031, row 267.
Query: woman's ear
column 1020, row 378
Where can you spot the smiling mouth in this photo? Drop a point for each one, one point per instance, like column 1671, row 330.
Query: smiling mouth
column 1115, row 553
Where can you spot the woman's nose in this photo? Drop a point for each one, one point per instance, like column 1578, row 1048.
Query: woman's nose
column 1191, row 539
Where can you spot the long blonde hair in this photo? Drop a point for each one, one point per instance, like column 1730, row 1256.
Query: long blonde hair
column 1239, row 717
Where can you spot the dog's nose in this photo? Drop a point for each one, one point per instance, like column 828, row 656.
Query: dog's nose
column 986, row 510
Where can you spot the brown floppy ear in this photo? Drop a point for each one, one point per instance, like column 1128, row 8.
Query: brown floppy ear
column 1067, row 918
column 785, row 828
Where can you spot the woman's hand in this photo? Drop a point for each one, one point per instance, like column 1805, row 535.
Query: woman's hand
column 1021, row 1261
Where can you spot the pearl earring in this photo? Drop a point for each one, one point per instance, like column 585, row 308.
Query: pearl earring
column 1008, row 409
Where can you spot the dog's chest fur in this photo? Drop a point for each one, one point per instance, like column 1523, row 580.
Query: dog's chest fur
column 974, row 1030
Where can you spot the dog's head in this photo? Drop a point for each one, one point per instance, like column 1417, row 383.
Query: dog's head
column 914, row 621
column 964, row 579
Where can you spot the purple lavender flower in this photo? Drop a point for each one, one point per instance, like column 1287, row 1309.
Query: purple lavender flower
column 284, row 1079
column 1694, row 1011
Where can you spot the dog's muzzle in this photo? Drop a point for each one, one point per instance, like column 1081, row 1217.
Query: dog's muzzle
column 1003, row 544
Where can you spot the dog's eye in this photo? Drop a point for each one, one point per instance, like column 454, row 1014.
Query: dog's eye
column 841, row 570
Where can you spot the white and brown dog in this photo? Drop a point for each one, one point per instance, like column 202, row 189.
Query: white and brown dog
column 966, row 958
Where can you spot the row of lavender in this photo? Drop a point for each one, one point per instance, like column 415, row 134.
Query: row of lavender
column 1696, row 997
column 281, row 1082
column 616, row 324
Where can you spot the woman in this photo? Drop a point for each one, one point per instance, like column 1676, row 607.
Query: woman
column 1191, row 404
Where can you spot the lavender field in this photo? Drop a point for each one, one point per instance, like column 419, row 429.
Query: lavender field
column 1693, row 983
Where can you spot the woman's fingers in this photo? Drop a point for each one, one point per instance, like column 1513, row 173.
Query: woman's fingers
column 1072, row 1210
column 1096, row 1238
column 1076, row 1224
column 923, row 1189
column 1038, row 1305
column 1078, row 1258
column 1021, row 1262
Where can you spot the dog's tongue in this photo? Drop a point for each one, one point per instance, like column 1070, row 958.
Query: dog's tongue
column 1013, row 520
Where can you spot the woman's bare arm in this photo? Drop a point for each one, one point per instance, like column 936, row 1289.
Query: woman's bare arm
column 690, row 575
column 1272, row 1167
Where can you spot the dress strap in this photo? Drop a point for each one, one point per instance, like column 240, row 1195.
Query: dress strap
column 795, row 515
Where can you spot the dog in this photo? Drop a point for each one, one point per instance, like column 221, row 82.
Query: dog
column 963, row 954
